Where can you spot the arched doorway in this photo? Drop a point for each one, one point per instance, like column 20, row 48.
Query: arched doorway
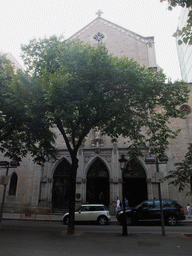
column 13, row 185
column 97, row 183
column 60, row 191
column 135, row 183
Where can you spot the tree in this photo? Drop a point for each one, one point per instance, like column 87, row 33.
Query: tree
column 20, row 132
column 182, row 176
column 10, row 118
column 78, row 87
column 186, row 32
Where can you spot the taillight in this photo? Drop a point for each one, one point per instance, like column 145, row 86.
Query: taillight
column 181, row 209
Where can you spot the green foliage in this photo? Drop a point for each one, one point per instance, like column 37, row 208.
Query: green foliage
column 182, row 3
column 182, row 176
column 186, row 32
column 77, row 87
column 20, row 131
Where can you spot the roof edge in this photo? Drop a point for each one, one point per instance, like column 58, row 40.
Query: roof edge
column 99, row 18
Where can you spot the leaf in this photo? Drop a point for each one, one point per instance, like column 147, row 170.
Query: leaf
column 185, row 40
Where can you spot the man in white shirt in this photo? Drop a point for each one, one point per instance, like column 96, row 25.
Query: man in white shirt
column 118, row 205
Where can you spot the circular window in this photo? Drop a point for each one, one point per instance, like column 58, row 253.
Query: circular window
column 186, row 108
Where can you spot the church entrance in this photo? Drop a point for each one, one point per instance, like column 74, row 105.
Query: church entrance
column 135, row 184
column 98, row 183
column 61, row 181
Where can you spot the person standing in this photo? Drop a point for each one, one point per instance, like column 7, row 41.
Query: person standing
column 189, row 210
column 118, row 205
column 126, row 202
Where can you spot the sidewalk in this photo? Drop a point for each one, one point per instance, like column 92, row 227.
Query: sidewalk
column 54, row 217
column 57, row 217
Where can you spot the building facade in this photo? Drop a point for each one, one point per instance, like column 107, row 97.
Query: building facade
column 99, row 168
column 184, row 50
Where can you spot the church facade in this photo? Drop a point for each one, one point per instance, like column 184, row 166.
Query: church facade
column 99, row 168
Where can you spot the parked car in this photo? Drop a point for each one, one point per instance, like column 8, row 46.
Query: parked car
column 90, row 212
column 149, row 210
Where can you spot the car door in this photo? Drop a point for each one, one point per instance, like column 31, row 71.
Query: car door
column 94, row 213
column 83, row 214
column 144, row 211
column 156, row 214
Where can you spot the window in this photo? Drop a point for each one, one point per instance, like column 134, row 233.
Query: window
column 157, row 204
column 186, row 108
column 85, row 208
column 13, row 185
column 148, row 204
column 168, row 203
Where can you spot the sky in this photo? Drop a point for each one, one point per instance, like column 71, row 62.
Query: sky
column 23, row 20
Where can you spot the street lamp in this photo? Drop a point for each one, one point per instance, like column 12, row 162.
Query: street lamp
column 4, row 181
column 123, row 163
column 158, row 179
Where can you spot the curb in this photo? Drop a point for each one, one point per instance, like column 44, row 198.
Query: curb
column 58, row 218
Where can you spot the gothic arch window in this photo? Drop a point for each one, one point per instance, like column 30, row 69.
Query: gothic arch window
column 186, row 109
column 13, row 185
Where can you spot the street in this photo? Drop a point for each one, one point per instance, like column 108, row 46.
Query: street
column 142, row 227
column 49, row 238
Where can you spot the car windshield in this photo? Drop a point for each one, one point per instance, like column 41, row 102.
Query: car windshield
column 148, row 204
column 139, row 205
column 104, row 208
column 78, row 208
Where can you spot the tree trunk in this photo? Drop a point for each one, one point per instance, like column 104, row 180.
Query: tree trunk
column 74, row 166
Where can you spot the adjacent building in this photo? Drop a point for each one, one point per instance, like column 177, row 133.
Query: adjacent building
column 184, row 50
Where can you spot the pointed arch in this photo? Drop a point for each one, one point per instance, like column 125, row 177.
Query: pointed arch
column 92, row 160
column 13, row 184
column 134, row 170
column 135, row 183
column 98, row 183
column 61, row 183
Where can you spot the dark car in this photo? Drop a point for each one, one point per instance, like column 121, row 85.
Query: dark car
column 149, row 210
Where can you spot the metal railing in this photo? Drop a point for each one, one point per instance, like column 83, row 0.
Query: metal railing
column 35, row 213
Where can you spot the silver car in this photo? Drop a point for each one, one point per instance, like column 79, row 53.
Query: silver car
column 90, row 212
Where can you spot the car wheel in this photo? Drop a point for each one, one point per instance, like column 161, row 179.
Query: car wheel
column 102, row 220
column 129, row 221
column 172, row 220
column 66, row 220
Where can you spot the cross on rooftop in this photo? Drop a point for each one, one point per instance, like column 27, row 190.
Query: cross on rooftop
column 99, row 13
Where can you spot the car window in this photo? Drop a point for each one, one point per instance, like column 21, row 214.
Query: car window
column 147, row 204
column 85, row 208
column 157, row 204
column 93, row 208
column 168, row 203
column 99, row 208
